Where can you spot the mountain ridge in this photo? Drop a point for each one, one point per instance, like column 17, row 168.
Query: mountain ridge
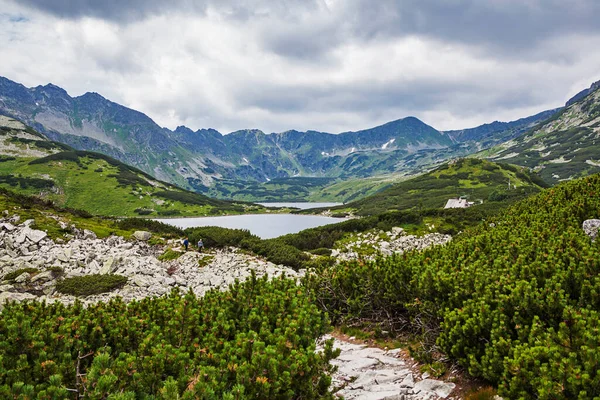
column 198, row 159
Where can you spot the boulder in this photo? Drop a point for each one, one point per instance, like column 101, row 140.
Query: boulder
column 24, row 277
column 32, row 234
column 7, row 226
column 5, row 288
column 89, row 235
column 108, row 266
column 10, row 296
column 590, row 227
column 43, row 277
column 442, row 389
column 142, row 235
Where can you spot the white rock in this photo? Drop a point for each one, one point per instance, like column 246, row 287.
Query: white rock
column 590, row 227
column 441, row 389
column 24, row 277
column 142, row 235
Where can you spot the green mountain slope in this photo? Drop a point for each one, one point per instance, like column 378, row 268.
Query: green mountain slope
column 205, row 158
column 476, row 180
column 101, row 185
column 565, row 147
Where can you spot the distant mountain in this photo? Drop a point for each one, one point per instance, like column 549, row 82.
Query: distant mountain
column 33, row 165
column 500, row 131
column 204, row 158
column 564, row 147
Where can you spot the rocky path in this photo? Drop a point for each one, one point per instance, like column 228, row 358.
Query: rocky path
column 369, row 373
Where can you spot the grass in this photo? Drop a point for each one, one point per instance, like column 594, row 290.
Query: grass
column 474, row 179
column 170, row 254
column 90, row 284
column 110, row 192
column 11, row 276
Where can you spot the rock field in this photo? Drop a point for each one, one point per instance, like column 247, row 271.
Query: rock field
column 383, row 243
column 85, row 254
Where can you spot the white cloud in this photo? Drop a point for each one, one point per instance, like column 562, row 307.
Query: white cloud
column 327, row 66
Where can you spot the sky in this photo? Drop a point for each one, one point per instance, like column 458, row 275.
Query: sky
column 326, row 65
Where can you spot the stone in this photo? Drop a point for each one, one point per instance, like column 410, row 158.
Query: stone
column 6, row 288
column 10, row 296
column 590, row 227
column 28, row 222
column 7, row 226
column 32, row 234
column 89, row 235
column 108, row 266
column 43, row 277
column 408, row 381
column 24, row 277
column 142, row 235
column 141, row 281
column 441, row 389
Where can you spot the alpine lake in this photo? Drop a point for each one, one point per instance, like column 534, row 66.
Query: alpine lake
column 265, row 226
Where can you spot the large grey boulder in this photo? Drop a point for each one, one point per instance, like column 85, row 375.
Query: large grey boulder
column 590, row 227
column 108, row 266
column 442, row 389
column 142, row 235
column 24, row 277
column 7, row 226
column 32, row 234
column 43, row 277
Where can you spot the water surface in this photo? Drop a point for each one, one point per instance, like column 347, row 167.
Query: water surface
column 265, row 226
column 302, row 206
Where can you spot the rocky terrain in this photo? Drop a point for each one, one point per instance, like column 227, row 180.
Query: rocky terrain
column 23, row 247
column 368, row 373
column 383, row 243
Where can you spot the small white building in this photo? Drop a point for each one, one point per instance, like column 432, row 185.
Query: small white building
column 458, row 203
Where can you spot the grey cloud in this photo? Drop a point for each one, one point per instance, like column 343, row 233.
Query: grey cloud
column 510, row 27
column 131, row 10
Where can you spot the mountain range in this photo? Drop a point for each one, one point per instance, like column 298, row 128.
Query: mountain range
column 206, row 158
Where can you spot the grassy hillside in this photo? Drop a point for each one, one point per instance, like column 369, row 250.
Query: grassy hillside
column 299, row 189
column 101, row 185
column 564, row 147
column 477, row 180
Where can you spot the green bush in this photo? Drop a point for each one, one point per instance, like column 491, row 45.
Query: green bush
column 143, row 224
column 255, row 341
column 143, row 211
column 11, row 276
column 217, row 237
column 322, row 251
column 170, row 254
column 515, row 302
column 90, row 284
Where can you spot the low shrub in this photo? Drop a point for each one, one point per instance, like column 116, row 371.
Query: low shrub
column 143, row 224
column 169, row 255
column 90, row 284
column 11, row 276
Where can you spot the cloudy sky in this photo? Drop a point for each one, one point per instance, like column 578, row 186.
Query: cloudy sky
column 329, row 65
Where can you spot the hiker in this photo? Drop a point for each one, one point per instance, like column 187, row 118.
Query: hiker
column 186, row 243
column 200, row 245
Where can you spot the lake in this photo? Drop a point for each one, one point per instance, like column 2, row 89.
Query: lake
column 302, row 206
column 265, row 226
